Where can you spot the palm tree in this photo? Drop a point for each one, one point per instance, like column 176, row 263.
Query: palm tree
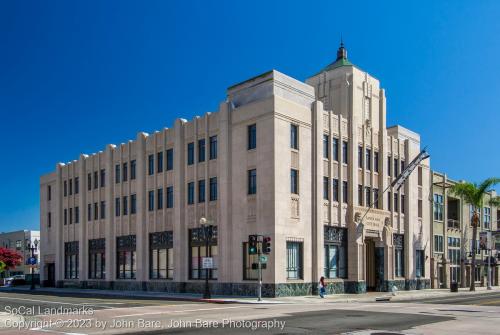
column 474, row 194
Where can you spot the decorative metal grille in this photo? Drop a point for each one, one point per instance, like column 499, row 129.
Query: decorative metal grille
column 335, row 235
column 160, row 240
column 197, row 236
column 398, row 241
column 71, row 247
column 97, row 245
column 126, row 243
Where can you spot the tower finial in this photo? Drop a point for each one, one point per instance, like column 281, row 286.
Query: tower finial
column 341, row 52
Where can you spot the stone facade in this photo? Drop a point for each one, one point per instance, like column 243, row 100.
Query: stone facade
column 322, row 154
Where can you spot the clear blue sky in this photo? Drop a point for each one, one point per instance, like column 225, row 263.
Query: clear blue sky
column 75, row 76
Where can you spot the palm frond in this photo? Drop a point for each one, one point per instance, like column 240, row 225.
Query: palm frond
column 495, row 201
column 465, row 190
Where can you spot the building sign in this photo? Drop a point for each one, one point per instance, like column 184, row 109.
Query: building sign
column 207, row 263
column 374, row 220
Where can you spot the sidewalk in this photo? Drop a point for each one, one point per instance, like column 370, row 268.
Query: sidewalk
column 338, row 298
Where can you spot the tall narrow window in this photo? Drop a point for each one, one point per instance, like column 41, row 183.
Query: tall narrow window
column 201, row 190
column 293, row 260
column 420, row 264
column 151, row 165
column 49, row 193
column 398, row 243
column 360, row 195
column 368, row 195
column 487, row 218
column 161, row 252
column 402, row 165
column 375, row 198
column 96, row 211
column 294, row 181
column 170, row 159
column 335, row 149
column 389, row 164
column 65, row 187
column 89, row 181
column 197, row 250
column 103, row 210
column 96, row 180
column 77, row 185
column 252, row 136
column 117, row 206
column 65, row 216
column 335, row 187
column 396, row 207
column 125, row 171
column 375, row 161
column 125, row 205
column 97, row 258
column 71, row 216
column 389, row 201
column 345, row 156
column 326, row 146
column 117, row 173
column 190, row 153
column 252, row 181
column 49, row 219
column 133, row 203
column 125, row 257
column 345, row 192
column 70, row 186
column 396, row 167
column 213, row 147
column 77, row 214
column 368, row 159
column 190, row 193
column 402, row 203
column 159, row 162
column 132, row 169
column 201, row 150
column 213, row 188
column 170, row 197
column 419, row 176
column 151, row 200
column 103, row 178
column 159, row 199
column 438, row 207
column 294, row 136
column 89, row 212
column 360, row 157
column 326, row 188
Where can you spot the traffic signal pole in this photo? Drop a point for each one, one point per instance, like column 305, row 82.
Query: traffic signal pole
column 259, row 290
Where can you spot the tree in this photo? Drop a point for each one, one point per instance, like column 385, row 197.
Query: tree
column 473, row 194
column 9, row 258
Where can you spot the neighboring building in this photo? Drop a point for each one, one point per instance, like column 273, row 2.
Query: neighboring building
column 16, row 240
column 452, row 236
column 295, row 161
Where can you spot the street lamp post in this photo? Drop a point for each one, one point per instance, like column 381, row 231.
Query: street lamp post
column 32, row 247
column 207, row 236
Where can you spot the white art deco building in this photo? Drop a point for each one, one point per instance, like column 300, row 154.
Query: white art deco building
column 299, row 162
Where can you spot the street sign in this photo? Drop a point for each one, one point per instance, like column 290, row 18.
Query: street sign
column 207, row 263
column 263, row 259
column 32, row 261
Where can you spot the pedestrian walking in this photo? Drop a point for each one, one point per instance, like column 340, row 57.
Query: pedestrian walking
column 322, row 287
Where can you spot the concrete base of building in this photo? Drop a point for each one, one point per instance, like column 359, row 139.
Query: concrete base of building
column 244, row 289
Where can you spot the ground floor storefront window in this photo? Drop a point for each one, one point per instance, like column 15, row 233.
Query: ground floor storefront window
column 71, row 261
column 97, row 258
column 399, row 255
column 335, row 244
column 198, row 250
column 420, row 263
column 294, row 259
column 454, row 256
column 125, row 257
column 161, row 255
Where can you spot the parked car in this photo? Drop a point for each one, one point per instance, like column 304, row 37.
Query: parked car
column 15, row 280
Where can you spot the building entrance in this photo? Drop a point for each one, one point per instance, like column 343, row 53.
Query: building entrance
column 374, row 260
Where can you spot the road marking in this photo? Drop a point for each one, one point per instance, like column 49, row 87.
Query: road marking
column 181, row 311
column 489, row 302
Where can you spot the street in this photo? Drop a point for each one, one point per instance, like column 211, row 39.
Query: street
column 307, row 316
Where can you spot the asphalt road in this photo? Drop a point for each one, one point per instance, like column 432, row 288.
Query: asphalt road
column 319, row 318
column 483, row 299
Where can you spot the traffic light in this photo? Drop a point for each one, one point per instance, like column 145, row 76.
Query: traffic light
column 266, row 245
column 252, row 244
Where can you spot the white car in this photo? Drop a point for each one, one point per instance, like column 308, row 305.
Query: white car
column 9, row 281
